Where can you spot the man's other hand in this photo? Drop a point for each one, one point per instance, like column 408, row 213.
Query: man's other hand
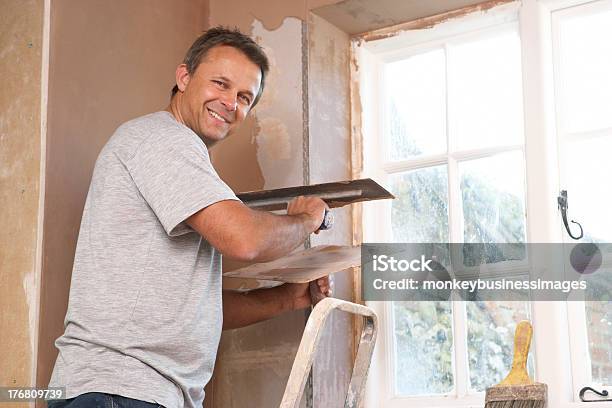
column 311, row 207
column 299, row 293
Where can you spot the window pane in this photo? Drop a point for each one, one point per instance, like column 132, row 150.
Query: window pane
column 586, row 67
column 493, row 194
column 423, row 345
column 416, row 106
column 485, row 93
column 420, row 210
column 490, row 340
column 588, row 168
column 599, row 323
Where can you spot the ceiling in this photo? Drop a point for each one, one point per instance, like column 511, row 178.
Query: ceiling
column 359, row 16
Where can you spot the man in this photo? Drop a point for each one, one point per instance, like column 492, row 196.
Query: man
column 145, row 312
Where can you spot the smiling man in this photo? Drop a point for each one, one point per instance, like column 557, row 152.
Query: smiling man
column 146, row 308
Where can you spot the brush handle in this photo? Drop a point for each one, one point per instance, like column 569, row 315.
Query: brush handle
column 522, row 340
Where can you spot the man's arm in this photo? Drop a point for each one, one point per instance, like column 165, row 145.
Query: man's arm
column 243, row 309
column 244, row 234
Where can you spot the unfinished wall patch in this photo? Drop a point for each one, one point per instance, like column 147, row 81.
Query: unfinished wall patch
column 242, row 13
column 279, row 139
column 273, row 140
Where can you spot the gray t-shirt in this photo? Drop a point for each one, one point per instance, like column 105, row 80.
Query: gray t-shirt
column 144, row 316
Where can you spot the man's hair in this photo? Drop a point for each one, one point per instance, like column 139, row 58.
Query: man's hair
column 220, row 35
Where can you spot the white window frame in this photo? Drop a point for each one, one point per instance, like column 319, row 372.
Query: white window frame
column 560, row 341
column 580, row 355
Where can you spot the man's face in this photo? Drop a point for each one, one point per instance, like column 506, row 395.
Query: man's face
column 218, row 95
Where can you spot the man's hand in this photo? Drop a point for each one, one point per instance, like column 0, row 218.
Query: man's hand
column 311, row 207
column 243, row 309
column 298, row 294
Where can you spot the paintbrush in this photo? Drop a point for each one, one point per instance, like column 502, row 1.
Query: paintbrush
column 517, row 390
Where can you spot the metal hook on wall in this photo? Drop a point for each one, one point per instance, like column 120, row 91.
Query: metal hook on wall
column 562, row 201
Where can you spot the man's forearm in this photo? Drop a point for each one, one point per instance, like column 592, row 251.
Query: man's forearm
column 244, row 234
column 280, row 235
column 243, row 309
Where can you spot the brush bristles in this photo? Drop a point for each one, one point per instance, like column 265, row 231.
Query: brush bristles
column 516, row 396
column 516, row 404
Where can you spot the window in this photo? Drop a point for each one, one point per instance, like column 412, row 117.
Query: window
column 583, row 85
column 463, row 122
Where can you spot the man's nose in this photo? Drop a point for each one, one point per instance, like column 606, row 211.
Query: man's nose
column 230, row 101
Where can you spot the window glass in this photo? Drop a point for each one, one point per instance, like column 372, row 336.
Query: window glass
column 493, row 198
column 599, row 323
column 423, row 348
column 420, row 210
column 416, row 109
column 586, row 64
column 587, row 167
column 490, row 340
column 485, row 93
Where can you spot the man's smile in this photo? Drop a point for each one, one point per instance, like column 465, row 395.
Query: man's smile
column 217, row 115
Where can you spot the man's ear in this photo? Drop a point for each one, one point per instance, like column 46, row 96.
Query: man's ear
column 182, row 77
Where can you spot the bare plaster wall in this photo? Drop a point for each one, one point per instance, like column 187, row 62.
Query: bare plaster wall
column 266, row 153
column 272, row 150
column 20, row 129
column 109, row 62
column 329, row 158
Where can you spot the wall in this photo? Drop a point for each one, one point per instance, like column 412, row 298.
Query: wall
column 298, row 134
column 21, row 47
column 330, row 160
column 109, row 62
column 256, row 360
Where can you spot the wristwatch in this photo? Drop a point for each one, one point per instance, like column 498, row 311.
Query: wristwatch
column 328, row 220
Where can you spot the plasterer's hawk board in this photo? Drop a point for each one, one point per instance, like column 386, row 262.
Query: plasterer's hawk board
column 303, row 266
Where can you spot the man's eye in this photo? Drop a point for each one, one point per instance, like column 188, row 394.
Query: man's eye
column 220, row 83
column 245, row 99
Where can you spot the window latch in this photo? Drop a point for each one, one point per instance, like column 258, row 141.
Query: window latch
column 603, row 393
column 562, row 201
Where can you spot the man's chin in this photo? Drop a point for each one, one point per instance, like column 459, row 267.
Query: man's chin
column 211, row 140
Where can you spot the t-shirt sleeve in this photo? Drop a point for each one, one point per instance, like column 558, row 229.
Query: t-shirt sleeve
column 174, row 175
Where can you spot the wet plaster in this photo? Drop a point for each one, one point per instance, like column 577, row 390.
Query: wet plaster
column 20, row 143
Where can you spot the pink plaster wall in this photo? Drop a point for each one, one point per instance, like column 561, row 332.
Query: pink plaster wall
column 20, row 146
column 109, row 62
